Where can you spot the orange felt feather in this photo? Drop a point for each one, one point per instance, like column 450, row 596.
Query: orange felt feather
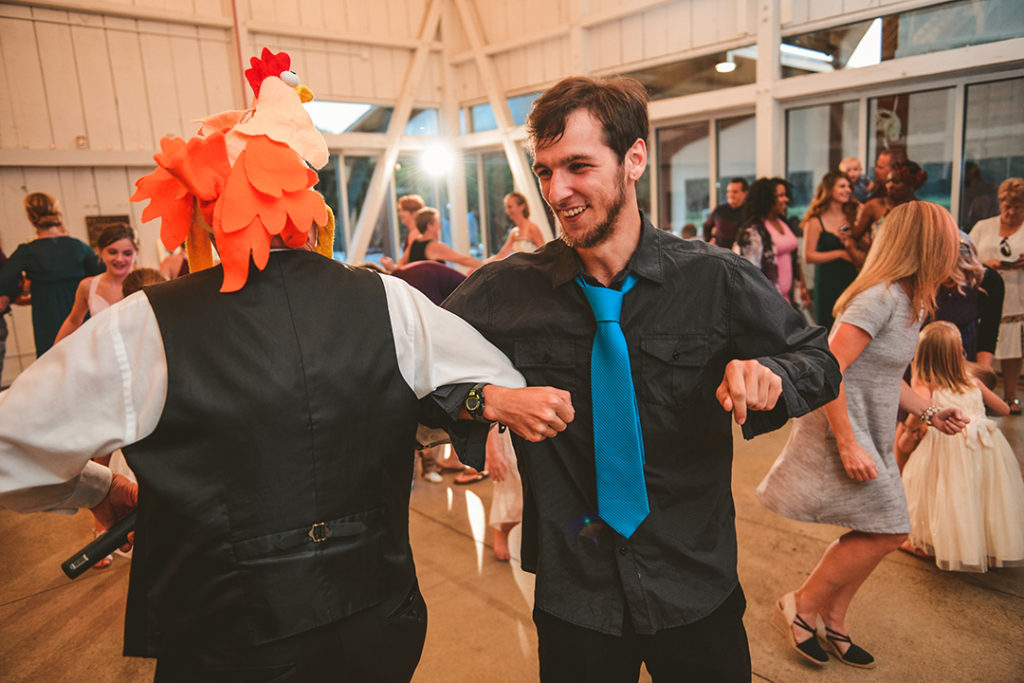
column 273, row 168
column 169, row 201
column 201, row 164
column 236, row 247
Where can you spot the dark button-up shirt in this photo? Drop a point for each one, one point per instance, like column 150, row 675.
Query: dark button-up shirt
column 694, row 308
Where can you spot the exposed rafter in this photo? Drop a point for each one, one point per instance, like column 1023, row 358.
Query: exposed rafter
column 521, row 174
column 384, row 171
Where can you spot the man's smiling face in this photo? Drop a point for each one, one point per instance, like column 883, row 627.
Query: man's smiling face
column 583, row 181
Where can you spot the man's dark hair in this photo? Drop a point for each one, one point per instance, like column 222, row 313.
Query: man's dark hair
column 742, row 182
column 618, row 102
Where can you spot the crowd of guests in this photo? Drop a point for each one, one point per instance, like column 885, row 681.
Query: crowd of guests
column 884, row 265
column 941, row 483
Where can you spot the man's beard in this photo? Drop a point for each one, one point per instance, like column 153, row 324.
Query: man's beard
column 600, row 232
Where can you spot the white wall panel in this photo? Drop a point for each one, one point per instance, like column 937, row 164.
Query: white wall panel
column 220, row 72
column 358, row 18
column 822, row 9
column 159, row 72
column 99, row 99
column 656, row 28
column 605, row 45
column 632, row 38
column 129, row 77
column 680, row 22
column 309, row 13
column 8, row 127
column 60, row 81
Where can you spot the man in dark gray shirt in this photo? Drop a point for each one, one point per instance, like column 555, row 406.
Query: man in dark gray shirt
column 706, row 334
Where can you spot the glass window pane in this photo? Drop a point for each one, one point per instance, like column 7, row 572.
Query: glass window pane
column 422, row 122
column 358, row 172
column 700, row 74
column 736, row 149
column 412, row 178
column 497, row 184
column 683, row 160
column 482, row 116
column 476, row 246
column 817, row 139
column 921, row 124
column 520, row 107
column 993, row 146
column 944, row 26
column 328, row 186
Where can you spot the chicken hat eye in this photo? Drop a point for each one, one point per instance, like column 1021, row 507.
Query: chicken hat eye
column 290, row 77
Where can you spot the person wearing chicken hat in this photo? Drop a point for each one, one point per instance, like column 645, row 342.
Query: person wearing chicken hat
column 267, row 407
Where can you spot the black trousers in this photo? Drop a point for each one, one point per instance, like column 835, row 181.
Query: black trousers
column 712, row 649
column 376, row 644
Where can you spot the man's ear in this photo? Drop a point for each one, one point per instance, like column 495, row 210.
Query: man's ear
column 636, row 160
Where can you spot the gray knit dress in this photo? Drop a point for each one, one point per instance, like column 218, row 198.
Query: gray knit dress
column 807, row 481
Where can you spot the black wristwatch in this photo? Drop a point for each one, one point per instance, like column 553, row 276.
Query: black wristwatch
column 474, row 403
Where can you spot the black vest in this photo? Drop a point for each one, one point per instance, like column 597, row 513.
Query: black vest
column 274, row 492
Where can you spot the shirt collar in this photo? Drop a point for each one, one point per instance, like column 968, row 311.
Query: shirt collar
column 645, row 262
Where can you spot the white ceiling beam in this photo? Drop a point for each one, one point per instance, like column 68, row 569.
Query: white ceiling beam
column 456, row 177
column 769, row 121
column 336, row 37
column 75, row 157
column 384, row 171
column 492, row 49
column 522, row 176
column 129, row 12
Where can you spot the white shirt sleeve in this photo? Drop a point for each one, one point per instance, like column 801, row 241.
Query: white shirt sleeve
column 105, row 386
column 97, row 390
column 436, row 347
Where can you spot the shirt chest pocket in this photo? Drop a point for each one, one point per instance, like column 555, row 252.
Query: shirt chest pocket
column 672, row 367
column 546, row 362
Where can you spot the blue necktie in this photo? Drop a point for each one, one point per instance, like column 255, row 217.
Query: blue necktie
column 618, row 442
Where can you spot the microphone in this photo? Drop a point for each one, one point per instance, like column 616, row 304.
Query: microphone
column 85, row 558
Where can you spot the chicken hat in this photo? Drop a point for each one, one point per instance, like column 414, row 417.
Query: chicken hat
column 244, row 178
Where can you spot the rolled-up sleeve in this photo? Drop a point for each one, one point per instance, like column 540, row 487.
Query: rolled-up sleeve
column 436, row 348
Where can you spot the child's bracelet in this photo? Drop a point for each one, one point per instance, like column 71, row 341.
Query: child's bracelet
column 928, row 413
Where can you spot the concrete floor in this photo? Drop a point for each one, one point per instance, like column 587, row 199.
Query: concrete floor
column 919, row 622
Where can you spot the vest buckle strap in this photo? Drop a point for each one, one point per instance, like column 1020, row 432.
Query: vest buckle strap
column 318, row 532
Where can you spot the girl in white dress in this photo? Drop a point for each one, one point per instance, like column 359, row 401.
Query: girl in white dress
column 118, row 249
column 964, row 492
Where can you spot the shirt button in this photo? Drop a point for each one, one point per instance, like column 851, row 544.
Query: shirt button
column 675, row 355
column 622, row 550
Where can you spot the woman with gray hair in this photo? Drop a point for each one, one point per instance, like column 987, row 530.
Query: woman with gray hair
column 1000, row 243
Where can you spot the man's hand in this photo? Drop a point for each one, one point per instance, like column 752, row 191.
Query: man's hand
column 122, row 498
column 748, row 385
column 950, row 421
column 534, row 413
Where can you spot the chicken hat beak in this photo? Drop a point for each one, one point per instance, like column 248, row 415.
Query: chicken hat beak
column 305, row 94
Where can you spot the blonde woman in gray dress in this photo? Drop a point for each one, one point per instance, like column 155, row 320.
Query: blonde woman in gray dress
column 838, row 465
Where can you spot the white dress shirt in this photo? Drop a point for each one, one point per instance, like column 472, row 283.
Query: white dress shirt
column 104, row 387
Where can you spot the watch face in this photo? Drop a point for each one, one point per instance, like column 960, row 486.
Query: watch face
column 472, row 402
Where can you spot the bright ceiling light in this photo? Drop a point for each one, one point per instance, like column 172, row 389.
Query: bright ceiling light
column 436, row 160
column 727, row 66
